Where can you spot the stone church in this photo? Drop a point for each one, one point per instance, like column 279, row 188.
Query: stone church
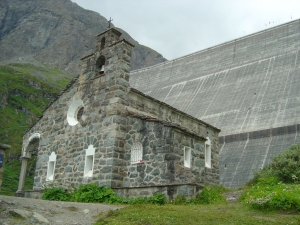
column 101, row 130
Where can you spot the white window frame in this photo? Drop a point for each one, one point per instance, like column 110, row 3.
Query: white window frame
column 136, row 153
column 51, row 167
column 187, row 156
column 89, row 161
column 208, row 153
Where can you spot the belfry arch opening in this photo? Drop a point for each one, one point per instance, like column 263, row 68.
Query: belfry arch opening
column 100, row 65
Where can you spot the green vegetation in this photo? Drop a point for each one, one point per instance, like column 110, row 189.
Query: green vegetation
column 272, row 197
column 276, row 187
column 11, row 176
column 96, row 194
column 285, row 167
column 25, row 90
column 221, row 214
column 270, row 194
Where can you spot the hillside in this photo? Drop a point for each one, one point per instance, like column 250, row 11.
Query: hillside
column 24, row 91
column 56, row 32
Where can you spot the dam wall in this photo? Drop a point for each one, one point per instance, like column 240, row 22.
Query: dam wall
column 247, row 85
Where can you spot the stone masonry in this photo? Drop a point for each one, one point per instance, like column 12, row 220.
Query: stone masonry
column 101, row 115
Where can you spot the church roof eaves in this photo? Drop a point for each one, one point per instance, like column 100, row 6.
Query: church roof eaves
column 135, row 113
column 120, row 41
column 112, row 29
column 86, row 56
column 171, row 107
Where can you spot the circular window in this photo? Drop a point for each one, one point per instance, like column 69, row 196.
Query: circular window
column 75, row 112
column 80, row 113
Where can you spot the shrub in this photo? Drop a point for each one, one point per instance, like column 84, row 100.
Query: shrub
column 92, row 193
column 285, row 166
column 269, row 194
column 55, row 194
column 210, row 195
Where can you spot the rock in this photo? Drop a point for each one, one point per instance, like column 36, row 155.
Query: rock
column 40, row 218
column 22, row 213
column 46, row 33
column 4, row 147
column 86, row 211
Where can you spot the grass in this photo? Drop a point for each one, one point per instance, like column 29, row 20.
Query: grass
column 11, row 176
column 29, row 89
column 215, row 214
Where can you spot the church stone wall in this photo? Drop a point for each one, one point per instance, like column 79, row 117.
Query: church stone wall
column 163, row 152
column 69, row 142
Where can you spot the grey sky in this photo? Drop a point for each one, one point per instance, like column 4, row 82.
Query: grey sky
column 176, row 28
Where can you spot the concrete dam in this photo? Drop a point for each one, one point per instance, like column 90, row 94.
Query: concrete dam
column 248, row 87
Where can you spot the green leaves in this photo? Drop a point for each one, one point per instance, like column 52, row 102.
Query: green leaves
column 93, row 193
column 56, row 194
column 269, row 194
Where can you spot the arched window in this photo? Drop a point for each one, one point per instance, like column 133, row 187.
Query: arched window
column 51, row 167
column 100, row 64
column 136, row 153
column 102, row 43
column 208, row 153
column 89, row 161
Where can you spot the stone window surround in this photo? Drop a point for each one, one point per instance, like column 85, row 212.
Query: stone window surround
column 51, row 167
column 89, row 161
column 208, row 153
column 187, row 156
column 137, row 153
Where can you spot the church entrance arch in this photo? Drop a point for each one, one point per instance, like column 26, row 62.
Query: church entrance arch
column 31, row 148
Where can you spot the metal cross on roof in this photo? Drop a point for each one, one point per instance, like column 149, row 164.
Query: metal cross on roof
column 109, row 22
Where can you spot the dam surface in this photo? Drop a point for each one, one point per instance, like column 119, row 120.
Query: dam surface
column 248, row 87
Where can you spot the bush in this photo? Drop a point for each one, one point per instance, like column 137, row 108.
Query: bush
column 92, row 193
column 55, row 194
column 285, row 166
column 210, row 195
column 269, row 194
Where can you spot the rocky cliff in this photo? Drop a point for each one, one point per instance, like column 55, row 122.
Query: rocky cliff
column 56, row 32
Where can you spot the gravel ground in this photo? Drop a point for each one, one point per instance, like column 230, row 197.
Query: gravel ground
column 16, row 210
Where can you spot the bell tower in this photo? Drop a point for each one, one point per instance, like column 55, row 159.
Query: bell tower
column 104, row 82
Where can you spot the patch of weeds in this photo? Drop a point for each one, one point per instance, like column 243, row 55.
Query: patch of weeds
column 270, row 194
column 72, row 209
column 15, row 215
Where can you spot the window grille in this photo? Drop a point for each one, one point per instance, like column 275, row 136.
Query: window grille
column 208, row 153
column 187, row 157
column 51, row 167
column 137, row 153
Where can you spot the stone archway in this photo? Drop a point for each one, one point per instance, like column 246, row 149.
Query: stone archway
column 31, row 148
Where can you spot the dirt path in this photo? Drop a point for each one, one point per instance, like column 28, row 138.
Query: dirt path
column 16, row 210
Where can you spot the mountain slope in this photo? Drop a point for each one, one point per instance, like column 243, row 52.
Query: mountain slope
column 56, row 32
column 25, row 90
